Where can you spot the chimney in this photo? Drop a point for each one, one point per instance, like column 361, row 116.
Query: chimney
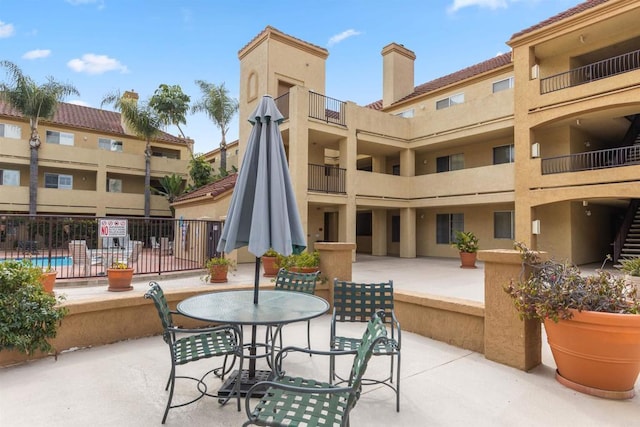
column 133, row 97
column 397, row 73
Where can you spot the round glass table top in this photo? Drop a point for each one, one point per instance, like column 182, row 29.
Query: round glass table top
column 237, row 307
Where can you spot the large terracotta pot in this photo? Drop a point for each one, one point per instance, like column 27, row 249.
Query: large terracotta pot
column 119, row 279
column 304, row 269
column 468, row 259
column 270, row 265
column 218, row 273
column 597, row 353
column 48, row 280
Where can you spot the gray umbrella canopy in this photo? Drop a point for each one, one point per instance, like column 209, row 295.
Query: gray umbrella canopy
column 263, row 213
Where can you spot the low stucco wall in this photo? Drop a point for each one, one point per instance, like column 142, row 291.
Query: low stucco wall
column 94, row 322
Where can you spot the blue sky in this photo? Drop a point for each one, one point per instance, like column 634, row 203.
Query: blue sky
column 101, row 46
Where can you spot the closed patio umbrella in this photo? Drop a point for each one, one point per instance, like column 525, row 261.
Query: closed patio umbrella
column 263, row 213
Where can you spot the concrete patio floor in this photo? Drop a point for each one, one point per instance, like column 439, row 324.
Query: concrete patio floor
column 123, row 383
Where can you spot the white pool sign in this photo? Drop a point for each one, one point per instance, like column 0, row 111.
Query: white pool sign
column 113, row 228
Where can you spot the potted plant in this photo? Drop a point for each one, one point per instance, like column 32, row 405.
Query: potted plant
column 29, row 315
column 631, row 268
column 304, row 262
column 592, row 323
column 218, row 269
column 270, row 263
column 119, row 277
column 467, row 244
column 48, row 278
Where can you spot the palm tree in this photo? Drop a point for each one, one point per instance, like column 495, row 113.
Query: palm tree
column 35, row 102
column 220, row 108
column 172, row 187
column 145, row 123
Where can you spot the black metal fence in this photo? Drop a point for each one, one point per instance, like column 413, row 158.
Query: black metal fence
column 327, row 109
column 598, row 70
column 81, row 246
column 590, row 160
column 327, row 179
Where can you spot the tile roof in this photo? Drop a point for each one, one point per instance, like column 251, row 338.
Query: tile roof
column 211, row 190
column 474, row 70
column 94, row 119
column 560, row 16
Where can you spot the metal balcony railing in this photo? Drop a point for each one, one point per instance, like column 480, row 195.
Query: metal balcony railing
column 598, row 70
column 591, row 160
column 327, row 109
column 327, row 179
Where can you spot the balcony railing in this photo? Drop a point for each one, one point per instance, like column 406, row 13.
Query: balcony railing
column 327, row 179
column 591, row 160
column 591, row 72
column 327, row 109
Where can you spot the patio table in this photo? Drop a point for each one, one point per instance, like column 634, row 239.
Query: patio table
column 275, row 308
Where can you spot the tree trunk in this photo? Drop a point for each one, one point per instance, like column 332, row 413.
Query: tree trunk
column 33, row 182
column 147, row 181
column 223, row 158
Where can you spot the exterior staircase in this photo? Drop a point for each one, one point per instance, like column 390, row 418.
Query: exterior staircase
column 631, row 244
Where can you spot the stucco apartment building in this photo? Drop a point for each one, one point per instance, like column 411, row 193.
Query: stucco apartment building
column 537, row 145
column 89, row 164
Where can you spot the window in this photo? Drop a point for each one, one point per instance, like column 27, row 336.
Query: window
column 9, row 177
column 54, row 180
column 10, row 131
column 62, row 138
column 450, row 101
column 395, row 170
column 503, row 225
column 450, row 163
column 363, row 224
column 395, row 228
column 503, row 154
column 503, row 84
column 406, row 114
column 114, row 185
column 446, row 227
column 109, row 144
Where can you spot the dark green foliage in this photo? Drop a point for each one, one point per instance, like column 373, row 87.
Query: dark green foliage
column 549, row 289
column 29, row 316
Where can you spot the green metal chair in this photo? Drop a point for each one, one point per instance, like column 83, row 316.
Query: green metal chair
column 190, row 345
column 294, row 400
column 298, row 282
column 357, row 302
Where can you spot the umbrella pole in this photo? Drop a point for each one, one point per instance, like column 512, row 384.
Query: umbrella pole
column 256, row 281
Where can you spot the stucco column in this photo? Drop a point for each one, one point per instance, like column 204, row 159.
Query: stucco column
column 349, row 161
column 379, row 232
column 299, row 150
column 507, row 339
column 408, row 233
column 335, row 262
column 407, row 163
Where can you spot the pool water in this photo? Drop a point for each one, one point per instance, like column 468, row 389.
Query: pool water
column 56, row 261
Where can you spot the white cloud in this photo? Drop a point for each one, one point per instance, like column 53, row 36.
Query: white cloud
column 78, row 102
column 342, row 36
column 100, row 3
column 96, row 64
column 491, row 4
column 36, row 54
column 6, row 30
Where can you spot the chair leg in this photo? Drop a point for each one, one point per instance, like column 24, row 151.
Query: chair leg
column 332, row 372
column 398, row 384
column 309, row 336
column 172, row 380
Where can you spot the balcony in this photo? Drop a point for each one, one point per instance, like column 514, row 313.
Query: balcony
column 321, row 107
column 592, row 160
column 591, row 72
column 327, row 179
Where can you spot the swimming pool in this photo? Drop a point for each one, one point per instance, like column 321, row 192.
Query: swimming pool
column 56, row 261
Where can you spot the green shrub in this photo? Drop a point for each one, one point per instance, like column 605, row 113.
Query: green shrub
column 29, row 316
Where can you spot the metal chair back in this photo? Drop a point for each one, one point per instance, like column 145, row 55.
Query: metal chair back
column 357, row 302
column 293, row 281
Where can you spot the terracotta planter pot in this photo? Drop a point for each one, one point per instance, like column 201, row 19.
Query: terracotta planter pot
column 597, row 353
column 269, row 264
column 218, row 273
column 468, row 259
column 119, row 279
column 48, row 280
